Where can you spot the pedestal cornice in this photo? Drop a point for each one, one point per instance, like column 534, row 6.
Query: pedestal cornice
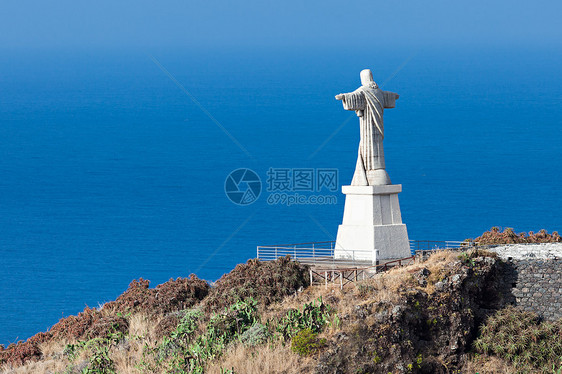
column 386, row 189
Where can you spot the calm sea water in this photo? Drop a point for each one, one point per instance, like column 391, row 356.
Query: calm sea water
column 110, row 172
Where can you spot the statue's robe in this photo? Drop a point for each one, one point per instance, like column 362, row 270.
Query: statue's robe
column 369, row 103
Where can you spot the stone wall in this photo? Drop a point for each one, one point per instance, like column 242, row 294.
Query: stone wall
column 533, row 277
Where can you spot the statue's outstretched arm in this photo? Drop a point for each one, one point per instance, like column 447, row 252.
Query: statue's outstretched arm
column 353, row 100
column 390, row 99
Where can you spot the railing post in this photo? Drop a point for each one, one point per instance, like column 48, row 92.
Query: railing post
column 276, row 253
column 341, row 280
column 295, row 251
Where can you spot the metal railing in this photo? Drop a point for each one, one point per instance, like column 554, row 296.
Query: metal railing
column 399, row 262
column 296, row 251
column 316, row 253
column 425, row 248
column 431, row 245
column 323, row 253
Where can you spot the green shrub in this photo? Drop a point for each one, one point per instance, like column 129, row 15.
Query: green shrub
column 313, row 316
column 520, row 337
column 100, row 362
column 466, row 259
column 185, row 351
column 255, row 335
column 306, row 342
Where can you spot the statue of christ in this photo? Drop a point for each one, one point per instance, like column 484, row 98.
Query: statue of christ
column 369, row 101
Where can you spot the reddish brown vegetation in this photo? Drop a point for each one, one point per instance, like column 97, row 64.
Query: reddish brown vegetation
column 17, row 354
column 173, row 295
column 167, row 324
column 508, row 236
column 73, row 327
column 135, row 297
column 266, row 282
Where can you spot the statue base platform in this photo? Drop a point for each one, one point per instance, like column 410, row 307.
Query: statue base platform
column 372, row 227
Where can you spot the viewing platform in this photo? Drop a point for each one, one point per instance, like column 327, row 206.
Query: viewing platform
column 326, row 268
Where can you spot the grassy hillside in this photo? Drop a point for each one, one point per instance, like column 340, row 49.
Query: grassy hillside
column 444, row 315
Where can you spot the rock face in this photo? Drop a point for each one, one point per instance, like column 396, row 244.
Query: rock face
column 427, row 330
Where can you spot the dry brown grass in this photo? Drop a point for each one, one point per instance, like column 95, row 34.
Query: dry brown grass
column 48, row 366
column 126, row 359
column 139, row 324
column 128, row 355
column 488, row 365
column 436, row 260
column 386, row 287
column 262, row 360
column 53, row 348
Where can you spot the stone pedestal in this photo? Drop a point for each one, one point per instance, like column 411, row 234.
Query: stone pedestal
column 372, row 227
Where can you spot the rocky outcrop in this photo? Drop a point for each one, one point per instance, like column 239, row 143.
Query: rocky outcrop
column 428, row 329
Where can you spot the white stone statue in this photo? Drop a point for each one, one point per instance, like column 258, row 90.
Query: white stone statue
column 369, row 102
column 372, row 228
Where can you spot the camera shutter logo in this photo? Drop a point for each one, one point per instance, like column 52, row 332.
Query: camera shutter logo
column 242, row 186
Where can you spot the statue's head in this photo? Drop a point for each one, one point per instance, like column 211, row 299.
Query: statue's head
column 366, row 77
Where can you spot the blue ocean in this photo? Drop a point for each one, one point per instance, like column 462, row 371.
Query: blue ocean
column 114, row 161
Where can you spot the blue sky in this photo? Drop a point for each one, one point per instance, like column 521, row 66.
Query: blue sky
column 287, row 23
